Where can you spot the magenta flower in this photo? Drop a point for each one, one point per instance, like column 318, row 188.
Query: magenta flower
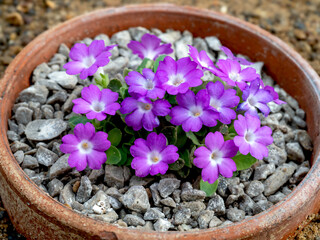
column 152, row 156
column 222, row 101
column 215, row 157
column 230, row 56
column 146, row 84
column 252, row 138
column 86, row 147
column 178, row 76
column 255, row 98
column 201, row 58
column 86, row 60
column 193, row 111
column 230, row 72
column 143, row 112
column 95, row 103
column 274, row 95
column 149, row 47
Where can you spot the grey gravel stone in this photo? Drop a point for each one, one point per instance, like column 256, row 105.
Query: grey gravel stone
column 60, row 167
column 64, row 50
column 60, row 96
column 213, row 43
column 66, row 195
column 261, row 206
column 168, row 202
column 301, row 172
column 274, row 108
column 47, row 111
column 255, row 188
column 138, row 181
column 231, row 199
column 278, row 178
column 42, row 130
column 121, row 38
column 176, row 195
column 54, row 187
column 46, row 157
column 200, row 44
column 292, row 102
column 181, row 46
column 278, row 139
column 136, row 199
column 41, row 71
column 63, row 79
column 205, row 218
column 16, row 146
column 216, row 204
column 116, row 176
column 162, row 225
column 299, row 121
column 117, row 65
column 95, row 174
column 110, row 216
column 98, row 197
column 36, row 93
column 215, row 222
column 276, row 155
column 153, row 214
column 276, row 197
column 192, row 195
column 295, row 152
column 305, row 140
column 84, row 191
column 113, row 192
column 19, row 155
column 222, row 187
column 167, row 186
column 263, row 171
column 13, row 126
column 137, row 32
column 170, row 37
column 195, row 207
column 29, row 162
column 235, row 215
column 245, row 174
column 247, row 204
column 133, row 220
column 155, row 194
column 103, row 37
column 115, row 203
column 300, row 113
column 23, row 115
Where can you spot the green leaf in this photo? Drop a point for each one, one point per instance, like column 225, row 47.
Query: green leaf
column 124, row 92
column 113, row 155
column 244, row 161
column 146, row 63
column 115, row 136
column 184, row 172
column 186, row 157
column 171, row 134
column 74, row 120
column 181, row 137
column 115, row 85
column 129, row 130
column 126, row 72
column 203, row 131
column 171, row 99
column 193, row 138
column 124, row 157
column 208, row 188
column 158, row 60
column 177, row 165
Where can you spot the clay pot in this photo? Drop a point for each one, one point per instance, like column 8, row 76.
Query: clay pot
column 38, row 216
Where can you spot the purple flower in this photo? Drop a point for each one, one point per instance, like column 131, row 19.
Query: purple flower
column 230, row 71
column 222, row 101
column 255, row 98
column 193, row 111
column 252, row 138
column 85, row 147
column 230, row 55
column 274, row 95
column 95, row 103
column 86, row 60
column 201, row 58
column 146, row 84
column 216, row 157
column 144, row 112
column 149, row 47
column 152, row 156
column 178, row 76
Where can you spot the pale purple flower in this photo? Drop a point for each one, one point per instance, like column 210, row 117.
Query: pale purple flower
column 274, row 94
column 230, row 55
column 222, row 101
column 201, row 58
column 143, row 112
column 96, row 103
column 215, row 157
column 86, row 60
column 255, row 98
column 152, row 156
column 231, row 73
column 146, row 84
column 252, row 138
column 86, row 147
column 193, row 111
column 149, row 47
column 178, row 76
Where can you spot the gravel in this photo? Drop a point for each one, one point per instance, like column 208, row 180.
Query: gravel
column 114, row 194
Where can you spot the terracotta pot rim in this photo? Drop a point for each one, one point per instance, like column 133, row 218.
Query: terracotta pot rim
column 29, row 189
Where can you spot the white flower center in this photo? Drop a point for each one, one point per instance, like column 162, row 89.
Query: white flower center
column 149, row 84
column 85, row 147
column 97, row 106
column 234, row 76
column 196, row 111
column 176, row 80
column 215, row 157
column 215, row 104
column 252, row 101
column 88, row 61
column 154, row 157
column 145, row 107
column 249, row 137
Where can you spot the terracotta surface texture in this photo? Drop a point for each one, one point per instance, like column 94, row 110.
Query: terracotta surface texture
column 40, row 217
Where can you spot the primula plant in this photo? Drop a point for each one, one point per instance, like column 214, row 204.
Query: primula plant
column 164, row 117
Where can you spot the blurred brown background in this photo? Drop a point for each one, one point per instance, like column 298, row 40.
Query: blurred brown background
column 297, row 22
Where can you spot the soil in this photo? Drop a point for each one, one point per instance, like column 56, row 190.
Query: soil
column 295, row 22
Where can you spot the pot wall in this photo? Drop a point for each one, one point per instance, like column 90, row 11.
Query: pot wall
column 38, row 216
